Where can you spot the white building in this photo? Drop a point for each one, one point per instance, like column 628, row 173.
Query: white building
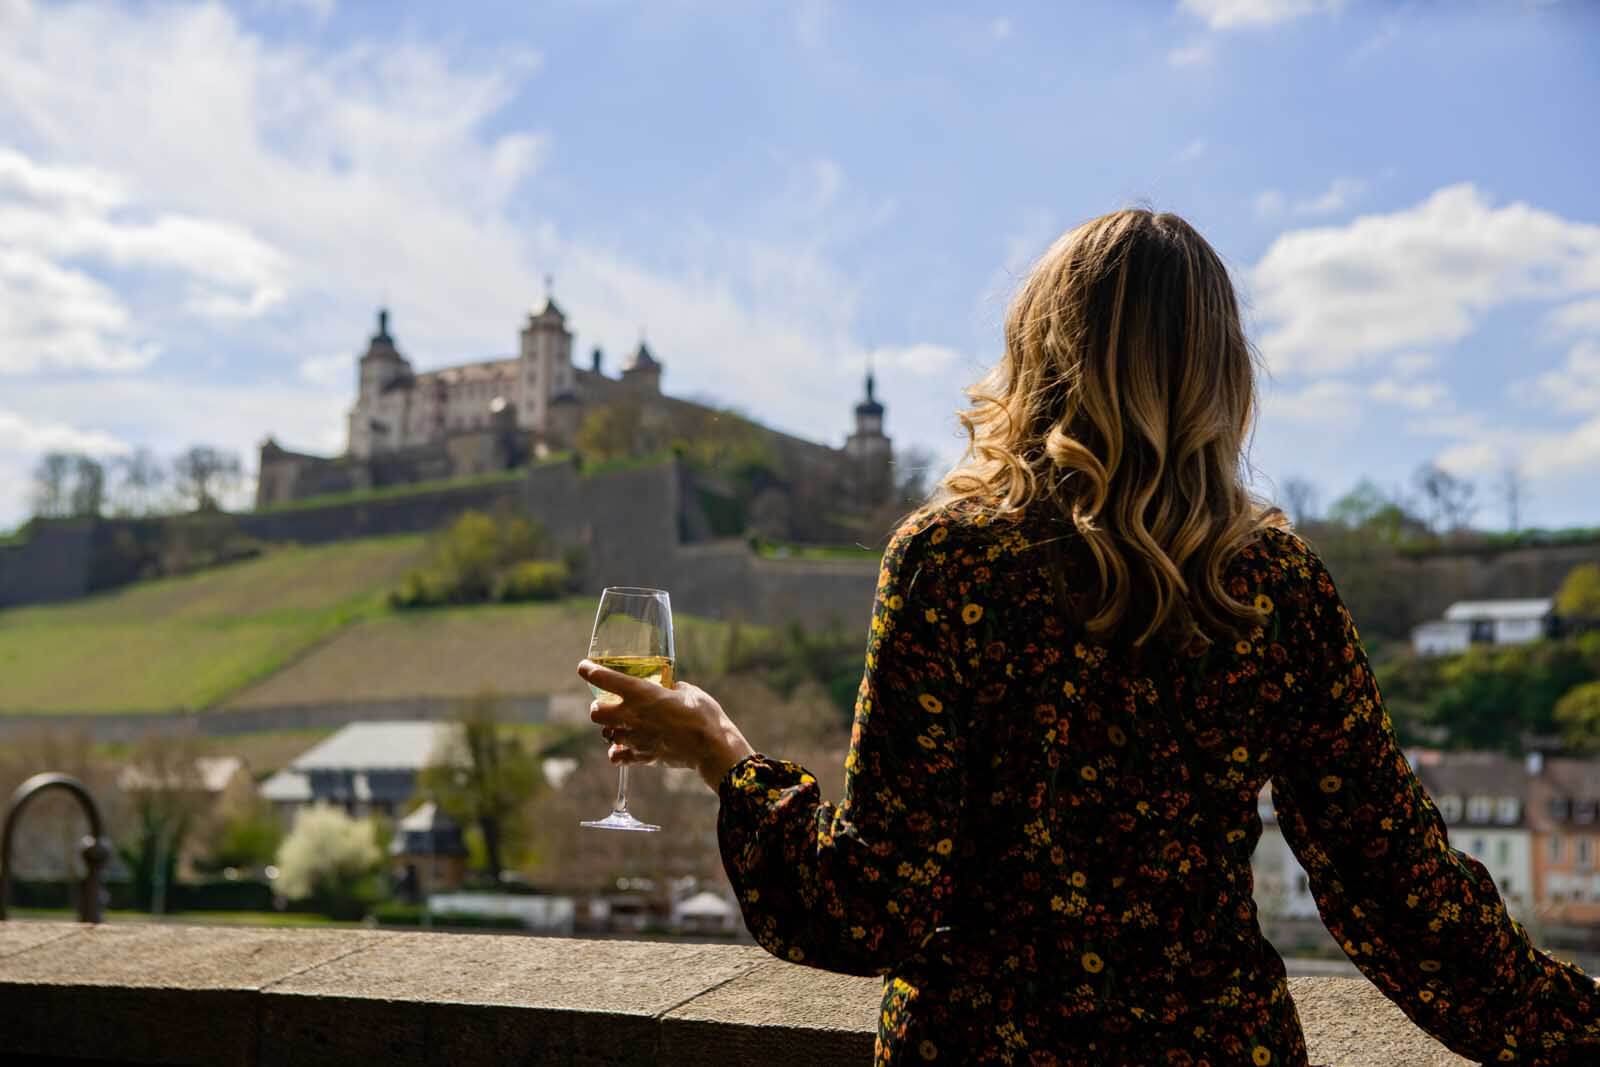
column 1494, row 622
column 1283, row 891
column 1483, row 799
column 367, row 768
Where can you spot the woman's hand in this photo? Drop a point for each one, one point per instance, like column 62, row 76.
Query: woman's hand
column 681, row 727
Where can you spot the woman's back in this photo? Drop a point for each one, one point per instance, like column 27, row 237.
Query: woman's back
column 1046, row 841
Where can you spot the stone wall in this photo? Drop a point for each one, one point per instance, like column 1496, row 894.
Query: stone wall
column 193, row 995
column 54, row 563
column 132, row 725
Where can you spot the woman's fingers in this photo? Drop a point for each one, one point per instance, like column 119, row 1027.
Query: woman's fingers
column 615, row 681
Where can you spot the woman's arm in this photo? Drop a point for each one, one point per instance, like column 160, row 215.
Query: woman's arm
column 1421, row 920
column 859, row 886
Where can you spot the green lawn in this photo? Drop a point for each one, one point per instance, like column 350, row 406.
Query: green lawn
column 190, row 642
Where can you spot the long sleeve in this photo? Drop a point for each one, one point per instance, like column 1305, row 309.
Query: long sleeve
column 858, row 886
column 1421, row 920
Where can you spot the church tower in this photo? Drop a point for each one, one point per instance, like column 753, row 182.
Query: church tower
column 376, row 420
column 870, row 450
column 544, row 365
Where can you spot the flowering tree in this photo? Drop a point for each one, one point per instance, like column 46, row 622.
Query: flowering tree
column 331, row 859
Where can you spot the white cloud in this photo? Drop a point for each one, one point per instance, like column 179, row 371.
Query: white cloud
column 1193, row 150
column 320, row 10
column 1575, row 386
column 1191, row 55
column 55, row 316
column 1410, row 364
column 1580, row 316
column 1327, row 403
column 1001, row 29
column 329, row 371
column 21, row 434
column 920, row 359
column 1338, row 195
column 1335, row 298
column 1418, row 396
column 1236, row 14
column 1269, row 204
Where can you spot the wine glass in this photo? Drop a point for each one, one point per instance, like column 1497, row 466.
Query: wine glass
column 632, row 635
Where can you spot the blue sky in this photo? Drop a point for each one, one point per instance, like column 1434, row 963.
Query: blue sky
column 201, row 207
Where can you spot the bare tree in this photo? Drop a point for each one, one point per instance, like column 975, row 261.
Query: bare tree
column 203, row 473
column 913, row 473
column 88, row 485
column 140, row 476
column 51, row 497
column 1300, row 500
column 1512, row 489
column 1447, row 498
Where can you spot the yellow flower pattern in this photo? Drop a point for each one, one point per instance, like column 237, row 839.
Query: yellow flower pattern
column 1026, row 859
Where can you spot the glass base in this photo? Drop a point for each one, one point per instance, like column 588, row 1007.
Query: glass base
column 620, row 820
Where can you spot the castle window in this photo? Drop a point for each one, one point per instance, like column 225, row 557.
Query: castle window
column 1506, row 810
column 1449, row 808
column 1478, row 809
column 1555, row 848
column 1585, row 853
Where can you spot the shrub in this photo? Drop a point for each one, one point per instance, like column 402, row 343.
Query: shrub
column 483, row 557
column 332, row 860
column 532, row 579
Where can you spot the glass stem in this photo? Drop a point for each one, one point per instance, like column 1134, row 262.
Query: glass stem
column 621, row 806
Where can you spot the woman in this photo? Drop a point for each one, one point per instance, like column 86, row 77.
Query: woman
column 1085, row 662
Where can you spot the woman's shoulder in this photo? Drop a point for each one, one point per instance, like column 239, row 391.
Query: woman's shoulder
column 944, row 527
column 1280, row 558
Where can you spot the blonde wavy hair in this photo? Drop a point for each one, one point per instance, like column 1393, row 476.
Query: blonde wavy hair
column 1124, row 399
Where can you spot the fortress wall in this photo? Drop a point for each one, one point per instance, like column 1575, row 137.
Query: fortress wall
column 54, row 563
column 411, row 513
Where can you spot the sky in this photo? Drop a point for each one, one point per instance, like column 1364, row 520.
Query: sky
column 202, row 206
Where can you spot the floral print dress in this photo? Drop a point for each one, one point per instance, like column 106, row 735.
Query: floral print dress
column 1044, row 844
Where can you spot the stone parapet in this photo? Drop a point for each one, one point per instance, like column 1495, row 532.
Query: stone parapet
column 165, row 994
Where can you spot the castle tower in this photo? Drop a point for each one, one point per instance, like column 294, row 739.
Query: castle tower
column 871, row 451
column 545, row 370
column 377, row 420
column 642, row 370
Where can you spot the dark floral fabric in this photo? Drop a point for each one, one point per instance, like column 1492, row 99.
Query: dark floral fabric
column 1044, row 843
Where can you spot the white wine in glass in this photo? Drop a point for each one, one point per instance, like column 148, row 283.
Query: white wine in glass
column 633, row 635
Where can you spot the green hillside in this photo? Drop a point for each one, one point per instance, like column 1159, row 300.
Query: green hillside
column 299, row 625
column 190, row 642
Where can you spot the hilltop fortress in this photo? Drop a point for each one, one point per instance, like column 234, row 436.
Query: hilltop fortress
column 478, row 418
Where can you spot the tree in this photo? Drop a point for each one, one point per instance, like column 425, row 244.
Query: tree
column 88, row 486
column 1385, row 516
column 51, row 497
column 140, row 477
column 1579, row 595
column 482, row 776
column 331, row 859
column 247, row 838
column 1447, row 498
column 1300, row 500
column 1578, row 712
column 203, row 474
column 1512, row 489
column 165, row 802
column 912, row 470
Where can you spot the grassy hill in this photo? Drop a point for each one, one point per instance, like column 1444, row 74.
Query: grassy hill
column 190, row 642
column 299, row 625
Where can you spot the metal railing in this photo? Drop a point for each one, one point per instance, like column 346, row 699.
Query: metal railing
column 96, row 849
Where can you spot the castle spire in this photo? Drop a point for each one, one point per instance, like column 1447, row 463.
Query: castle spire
column 383, row 324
